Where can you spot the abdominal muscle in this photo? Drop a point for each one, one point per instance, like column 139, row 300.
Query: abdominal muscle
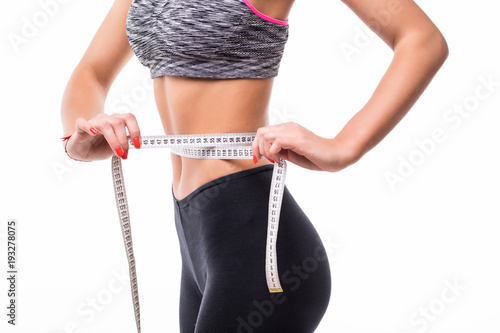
column 199, row 105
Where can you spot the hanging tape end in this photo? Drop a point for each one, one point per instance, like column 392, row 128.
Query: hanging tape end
column 275, row 290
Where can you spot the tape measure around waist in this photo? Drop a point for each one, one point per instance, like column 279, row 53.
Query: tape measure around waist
column 203, row 146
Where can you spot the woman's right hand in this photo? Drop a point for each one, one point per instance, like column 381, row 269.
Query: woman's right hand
column 103, row 136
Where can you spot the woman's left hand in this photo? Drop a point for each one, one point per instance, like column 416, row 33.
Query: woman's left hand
column 300, row 146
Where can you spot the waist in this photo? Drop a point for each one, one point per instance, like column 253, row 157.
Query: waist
column 200, row 158
column 200, row 106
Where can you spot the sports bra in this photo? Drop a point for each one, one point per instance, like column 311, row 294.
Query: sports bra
column 205, row 38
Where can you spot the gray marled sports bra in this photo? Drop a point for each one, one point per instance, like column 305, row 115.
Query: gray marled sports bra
column 206, row 38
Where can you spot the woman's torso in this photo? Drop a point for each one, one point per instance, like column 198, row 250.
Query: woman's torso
column 189, row 105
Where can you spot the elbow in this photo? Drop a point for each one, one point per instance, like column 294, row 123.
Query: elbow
column 428, row 45
column 435, row 44
column 439, row 47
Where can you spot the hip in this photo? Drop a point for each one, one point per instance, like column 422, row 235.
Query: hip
column 222, row 228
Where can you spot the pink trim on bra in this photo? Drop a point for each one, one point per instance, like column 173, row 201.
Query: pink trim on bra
column 264, row 16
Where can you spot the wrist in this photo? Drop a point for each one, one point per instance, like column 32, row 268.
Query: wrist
column 342, row 154
column 65, row 141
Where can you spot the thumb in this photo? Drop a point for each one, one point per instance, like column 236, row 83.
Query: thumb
column 84, row 127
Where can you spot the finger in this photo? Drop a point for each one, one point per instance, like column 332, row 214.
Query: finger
column 133, row 129
column 275, row 148
column 285, row 140
column 270, row 137
column 118, row 124
column 267, row 153
column 291, row 140
column 262, row 147
column 85, row 127
column 106, row 129
column 261, row 140
column 256, row 149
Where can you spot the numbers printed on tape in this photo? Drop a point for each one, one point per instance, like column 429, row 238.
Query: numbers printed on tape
column 275, row 197
column 203, row 146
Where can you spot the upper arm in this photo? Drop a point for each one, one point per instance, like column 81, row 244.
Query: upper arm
column 393, row 20
column 109, row 49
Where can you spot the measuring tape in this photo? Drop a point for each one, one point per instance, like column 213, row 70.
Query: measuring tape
column 203, row 146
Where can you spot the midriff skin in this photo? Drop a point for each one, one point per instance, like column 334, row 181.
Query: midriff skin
column 196, row 105
column 199, row 105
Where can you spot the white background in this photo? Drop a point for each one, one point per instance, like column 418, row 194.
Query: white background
column 394, row 250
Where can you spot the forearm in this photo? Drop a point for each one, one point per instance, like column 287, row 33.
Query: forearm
column 416, row 60
column 83, row 97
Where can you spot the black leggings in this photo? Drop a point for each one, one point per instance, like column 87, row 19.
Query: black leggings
column 222, row 228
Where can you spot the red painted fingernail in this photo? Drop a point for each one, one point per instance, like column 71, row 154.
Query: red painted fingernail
column 254, row 159
column 271, row 160
column 119, row 151
column 137, row 143
column 125, row 154
column 93, row 130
